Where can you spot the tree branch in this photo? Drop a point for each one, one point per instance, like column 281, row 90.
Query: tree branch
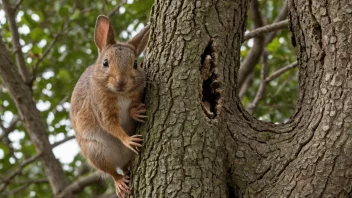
column 268, row 28
column 25, row 163
column 260, row 93
column 64, row 28
column 62, row 141
column 32, row 181
column 62, row 101
column 9, row 146
column 79, row 185
column 265, row 80
column 17, row 190
column 117, row 8
column 282, row 16
column 255, row 52
column 5, row 132
column 252, row 58
column 54, row 41
column 281, row 71
column 18, row 3
column 18, row 170
column 10, row 128
column 21, row 64
column 25, row 184
column 30, row 116
column 46, row 52
column 83, row 169
column 246, row 84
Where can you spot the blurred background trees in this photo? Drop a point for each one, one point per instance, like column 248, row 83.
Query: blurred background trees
column 56, row 39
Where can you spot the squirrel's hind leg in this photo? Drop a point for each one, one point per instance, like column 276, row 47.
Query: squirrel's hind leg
column 121, row 184
column 107, row 165
column 121, row 181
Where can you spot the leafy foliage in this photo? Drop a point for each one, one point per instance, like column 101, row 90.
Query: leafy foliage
column 64, row 30
column 281, row 93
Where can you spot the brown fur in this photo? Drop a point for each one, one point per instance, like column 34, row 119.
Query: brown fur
column 106, row 102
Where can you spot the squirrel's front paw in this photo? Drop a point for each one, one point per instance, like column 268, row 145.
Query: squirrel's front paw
column 136, row 112
column 133, row 142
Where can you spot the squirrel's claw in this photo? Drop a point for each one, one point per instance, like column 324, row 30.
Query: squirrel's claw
column 140, row 118
column 136, row 113
column 122, row 189
column 133, row 143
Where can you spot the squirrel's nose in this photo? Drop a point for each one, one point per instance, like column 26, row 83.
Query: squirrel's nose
column 120, row 84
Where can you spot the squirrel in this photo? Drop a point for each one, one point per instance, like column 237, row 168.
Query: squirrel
column 106, row 103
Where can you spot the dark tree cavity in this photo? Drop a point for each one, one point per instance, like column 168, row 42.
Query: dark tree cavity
column 187, row 153
column 210, row 88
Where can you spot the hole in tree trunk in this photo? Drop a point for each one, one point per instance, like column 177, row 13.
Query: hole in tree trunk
column 233, row 192
column 210, row 94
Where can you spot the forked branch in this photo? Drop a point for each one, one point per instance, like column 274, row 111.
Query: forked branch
column 11, row 19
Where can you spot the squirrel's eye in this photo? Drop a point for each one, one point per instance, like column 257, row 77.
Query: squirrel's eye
column 106, row 63
column 135, row 65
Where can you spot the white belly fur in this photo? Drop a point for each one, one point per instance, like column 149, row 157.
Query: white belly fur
column 125, row 119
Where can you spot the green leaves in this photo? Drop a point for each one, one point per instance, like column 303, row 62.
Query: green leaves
column 61, row 39
column 280, row 94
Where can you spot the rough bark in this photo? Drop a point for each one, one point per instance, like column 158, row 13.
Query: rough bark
column 30, row 116
column 187, row 154
column 184, row 153
column 310, row 154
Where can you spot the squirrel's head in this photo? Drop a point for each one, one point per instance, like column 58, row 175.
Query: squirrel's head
column 117, row 68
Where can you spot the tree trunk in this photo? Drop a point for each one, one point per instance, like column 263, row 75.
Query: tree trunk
column 199, row 140
column 30, row 116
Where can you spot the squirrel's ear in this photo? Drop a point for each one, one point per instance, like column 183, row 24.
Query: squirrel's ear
column 140, row 40
column 104, row 33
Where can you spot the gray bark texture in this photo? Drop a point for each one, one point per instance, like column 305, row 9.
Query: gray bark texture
column 185, row 154
column 190, row 153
